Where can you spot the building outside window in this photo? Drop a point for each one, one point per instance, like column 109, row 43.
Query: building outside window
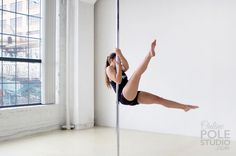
column 3, row 22
column 19, row 21
column 20, row 52
column 4, row 7
column 13, row 22
column 13, row 6
column 19, row 6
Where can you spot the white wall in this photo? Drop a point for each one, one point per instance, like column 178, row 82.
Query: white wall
column 86, row 65
column 21, row 121
column 77, row 63
column 194, row 63
column 80, row 66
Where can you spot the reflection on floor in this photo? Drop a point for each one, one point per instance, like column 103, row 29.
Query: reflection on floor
column 101, row 141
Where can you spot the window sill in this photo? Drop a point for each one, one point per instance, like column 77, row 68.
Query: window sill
column 24, row 106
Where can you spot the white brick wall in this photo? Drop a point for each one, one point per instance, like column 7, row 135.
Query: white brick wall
column 21, row 121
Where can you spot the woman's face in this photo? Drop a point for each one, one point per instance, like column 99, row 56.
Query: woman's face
column 113, row 62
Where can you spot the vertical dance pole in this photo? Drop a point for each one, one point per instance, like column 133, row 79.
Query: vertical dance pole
column 117, row 85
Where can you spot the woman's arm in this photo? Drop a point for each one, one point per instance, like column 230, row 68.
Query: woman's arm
column 114, row 75
column 123, row 60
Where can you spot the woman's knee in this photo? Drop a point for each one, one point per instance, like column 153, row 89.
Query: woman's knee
column 137, row 74
column 129, row 94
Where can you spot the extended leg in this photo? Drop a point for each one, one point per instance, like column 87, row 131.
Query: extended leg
column 148, row 98
column 131, row 88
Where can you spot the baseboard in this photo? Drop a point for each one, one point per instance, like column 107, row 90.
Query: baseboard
column 15, row 134
column 84, row 125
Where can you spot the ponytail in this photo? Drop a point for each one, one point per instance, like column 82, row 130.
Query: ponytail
column 111, row 56
column 106, row 77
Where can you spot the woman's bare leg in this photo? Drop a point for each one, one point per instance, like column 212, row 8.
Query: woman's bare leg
column 148, row 98
column 131, row 88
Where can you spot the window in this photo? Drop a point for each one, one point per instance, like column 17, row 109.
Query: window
column 20, row 53
column 19, row 6
column 34, row 7
column 3, row 23
column 13, row 7
column 13, row 22
column 4, row 7
column 33, row 3
column 33, row 21
column 19, row 22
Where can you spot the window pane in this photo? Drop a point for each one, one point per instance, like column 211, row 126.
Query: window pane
column 1, row 21
column 0, row 4
column 34, row 7
column 9, row 96
column 13, row 6
column 0, row 73
column 9, row 69
column 19, row 22
column 6, row 4
column 19, row 6
column 8, row 46
column 34, row 27
column 1, row 95
column 34, row 72
column 1, row 91
column 22, row 47
column 7, row 28
column 13, row 23
column 34, row 48
column 22, row 93
column 1, row 48
column 22, row 25
column 34, row 83
column 1, row 38
column 22, row 6
column 4, row 7
column 35, row 93
column 4, row 22
column 22, row 72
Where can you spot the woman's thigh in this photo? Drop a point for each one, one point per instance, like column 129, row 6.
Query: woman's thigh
column 148, row 98
column 131, row 88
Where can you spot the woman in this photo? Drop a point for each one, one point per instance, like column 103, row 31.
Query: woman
column 128, row 93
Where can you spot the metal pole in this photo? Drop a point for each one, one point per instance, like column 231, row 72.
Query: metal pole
column 117, row 85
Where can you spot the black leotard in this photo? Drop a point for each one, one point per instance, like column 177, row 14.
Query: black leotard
column 121, row 85
column 121, row 98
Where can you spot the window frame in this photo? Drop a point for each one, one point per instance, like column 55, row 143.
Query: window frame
column 26, row 60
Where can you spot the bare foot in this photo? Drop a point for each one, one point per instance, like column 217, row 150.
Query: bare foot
column 152, row 51
column 188, row 107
